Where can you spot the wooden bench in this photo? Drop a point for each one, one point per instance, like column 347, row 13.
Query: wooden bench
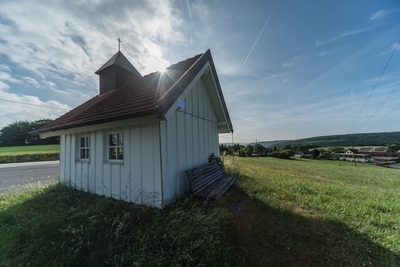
column 209, row 180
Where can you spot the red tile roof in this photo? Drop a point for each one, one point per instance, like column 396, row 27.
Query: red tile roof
column 143, row 96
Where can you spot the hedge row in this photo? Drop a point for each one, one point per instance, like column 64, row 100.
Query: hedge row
column 29, row 157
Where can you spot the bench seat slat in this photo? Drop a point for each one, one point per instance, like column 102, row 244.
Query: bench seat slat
column 209, row 180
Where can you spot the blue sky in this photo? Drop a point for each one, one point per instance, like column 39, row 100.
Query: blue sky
column 288, row 69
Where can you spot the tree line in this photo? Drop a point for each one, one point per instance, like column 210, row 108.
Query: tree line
column 17, row 134
column 255, row 150
column 362, row 139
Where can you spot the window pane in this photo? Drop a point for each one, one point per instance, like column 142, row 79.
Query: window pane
column 82, row 154
column 120, row 139
column 111, row 153
column 120, row 153
column 112, row 139
column 82, row 142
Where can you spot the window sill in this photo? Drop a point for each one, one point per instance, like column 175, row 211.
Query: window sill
column 114, row 162
column 82, row 161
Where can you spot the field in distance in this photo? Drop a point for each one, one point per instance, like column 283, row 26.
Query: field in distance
column 20, row 150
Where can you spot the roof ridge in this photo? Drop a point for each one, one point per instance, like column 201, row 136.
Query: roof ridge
column 183, row 75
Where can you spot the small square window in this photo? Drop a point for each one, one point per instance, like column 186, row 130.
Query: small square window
column 115, row 146
column 84, row 147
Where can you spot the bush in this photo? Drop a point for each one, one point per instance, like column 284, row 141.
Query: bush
column 29, row 157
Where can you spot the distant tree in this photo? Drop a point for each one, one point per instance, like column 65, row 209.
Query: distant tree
column 260, row 150
column 17, row 134
column 288, row 147
column 393, row 148
column 280, row 154
column 275, row 149
column 242, row 152
column 315, row 153
column 249, row 150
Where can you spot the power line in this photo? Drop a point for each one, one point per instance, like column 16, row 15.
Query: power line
column 380, row 106
column 43, row 106
column 384, row 117
column 374, row 86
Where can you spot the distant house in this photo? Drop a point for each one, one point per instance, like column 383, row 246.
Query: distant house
column 303, row 154
column 135, row 139
column 380, row 149
column 366, row 149
column 354, row 155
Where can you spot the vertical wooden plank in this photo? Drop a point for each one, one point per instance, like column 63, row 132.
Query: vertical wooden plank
column 189, row 132
column 147, row 148
column 170, row 162
column 67, row 160
column 72, row 156
column 63, row 162
column 99, row 172
column 106, row 183
column 202, row 145
column 156, row 167
column 125, row 169
column 181, row 148
column 115, row 181
column 78, row 174
column 196, row 146
column 92, row 164
column 136, row 165
column 85, row 180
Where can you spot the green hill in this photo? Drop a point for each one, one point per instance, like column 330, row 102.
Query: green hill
column 362, row 139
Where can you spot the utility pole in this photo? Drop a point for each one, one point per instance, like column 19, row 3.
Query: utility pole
column 354, row 157
column 255, row 149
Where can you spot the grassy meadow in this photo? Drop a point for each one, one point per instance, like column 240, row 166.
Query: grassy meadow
column 21, row 150
column 279, row 213
column 316, row 213
column 13, row 154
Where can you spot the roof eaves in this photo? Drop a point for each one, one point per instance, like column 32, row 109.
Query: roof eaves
column 214, row 71
column 150, row 111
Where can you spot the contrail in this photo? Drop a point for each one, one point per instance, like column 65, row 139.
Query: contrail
column 251, row 50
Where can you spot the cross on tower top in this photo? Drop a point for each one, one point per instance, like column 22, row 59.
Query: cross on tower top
column 119, row 44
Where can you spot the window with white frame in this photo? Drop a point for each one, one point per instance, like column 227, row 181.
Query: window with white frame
column 84, row 147
column 115, row 146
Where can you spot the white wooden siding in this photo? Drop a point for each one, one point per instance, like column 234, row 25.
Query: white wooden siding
column 192, row 135
column 189, row 136
column 136, row 179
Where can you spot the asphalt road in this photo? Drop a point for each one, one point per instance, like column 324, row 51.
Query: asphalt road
column 19, row 176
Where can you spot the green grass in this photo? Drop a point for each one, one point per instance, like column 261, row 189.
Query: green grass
column 279, row 213
column 315, row 213
column 20, row 150
column 57, row 226
column 14, row 154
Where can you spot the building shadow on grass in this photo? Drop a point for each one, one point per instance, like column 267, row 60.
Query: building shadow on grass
column 266, row 236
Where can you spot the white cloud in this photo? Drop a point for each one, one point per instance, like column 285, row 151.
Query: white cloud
column 343, row 34
column 319, row 43
column 57, row 46
column 348, row 33
column 379, row 14
column 287, row 64
column 4, row 76
column 25, row 107
column 5, row 67
column 4, row 86
column 31, row 81
column 325, row 53
column 76, row 38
